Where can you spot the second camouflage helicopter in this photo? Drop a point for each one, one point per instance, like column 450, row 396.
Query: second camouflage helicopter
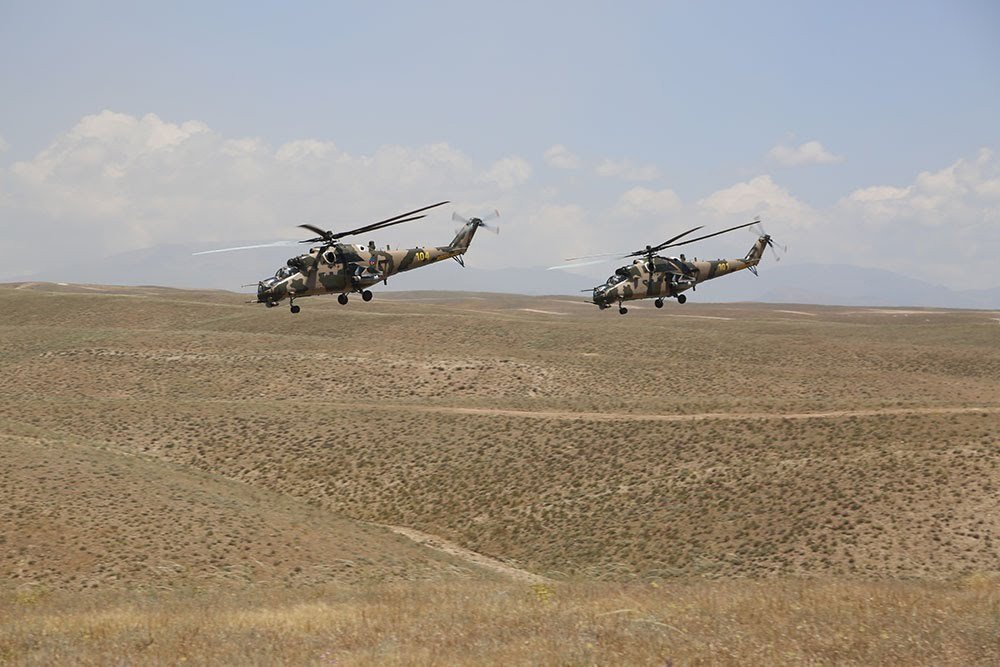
column 653, row 276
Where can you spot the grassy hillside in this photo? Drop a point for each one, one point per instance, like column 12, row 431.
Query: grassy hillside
column 821, row 440
column 79, row 517
column 186, row 443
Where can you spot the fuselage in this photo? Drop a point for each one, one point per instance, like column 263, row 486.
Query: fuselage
column 345, row 267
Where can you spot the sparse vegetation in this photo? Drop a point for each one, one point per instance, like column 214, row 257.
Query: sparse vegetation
column 164, row 454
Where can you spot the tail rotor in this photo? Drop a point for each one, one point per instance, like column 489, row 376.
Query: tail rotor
column 758, row 230
column 480, row 221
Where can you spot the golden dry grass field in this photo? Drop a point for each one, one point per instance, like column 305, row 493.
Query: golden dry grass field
column 459, row 478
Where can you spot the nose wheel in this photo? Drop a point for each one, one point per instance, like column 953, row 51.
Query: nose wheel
column 367, row 295
column 342, row 299
column 622, row 310
column 681, row 298
column 658, row 303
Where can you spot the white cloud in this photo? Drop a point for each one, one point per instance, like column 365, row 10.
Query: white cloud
column 989, row 189
column 115, row 182
column 811, row 152
column 962, row 195
column 560, row 157
column 879, row 193
column 306, row 149
column 508, row 172
column 556, row 231
column 627, row 171
column 758, row 196
column 3, row 145
column 641, row 201
column 935, row 227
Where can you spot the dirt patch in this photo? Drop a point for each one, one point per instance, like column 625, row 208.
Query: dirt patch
column 472, row 557
column 724, row 416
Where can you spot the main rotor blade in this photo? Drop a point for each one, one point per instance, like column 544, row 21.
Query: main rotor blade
column 276, row 244
column 669, row 241
column 708, row 236
column 388, row 222
column 380, row 225
column 666, row 244
column 574, row 264
column 327, row 237
column 315, row 230
column 409, row 213
column 603, row 254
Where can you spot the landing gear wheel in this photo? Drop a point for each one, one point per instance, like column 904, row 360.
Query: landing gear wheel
column 367, row 295
column 622, row 310
column 342, row 299
column 295, row 309
column 658, row 303
column 681, row 298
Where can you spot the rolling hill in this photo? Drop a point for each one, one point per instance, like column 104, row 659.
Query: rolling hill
column 442, row 477
column 725, row 440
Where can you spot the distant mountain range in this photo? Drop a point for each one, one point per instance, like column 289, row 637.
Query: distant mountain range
column 825, row 284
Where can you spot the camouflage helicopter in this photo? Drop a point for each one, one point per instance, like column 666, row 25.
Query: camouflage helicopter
column 655, row 276
column 342, row 268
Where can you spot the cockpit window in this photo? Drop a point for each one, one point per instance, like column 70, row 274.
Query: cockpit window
column 283, row 273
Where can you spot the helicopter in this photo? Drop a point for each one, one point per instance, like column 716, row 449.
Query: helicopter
column 338, row 268
column 654, row 276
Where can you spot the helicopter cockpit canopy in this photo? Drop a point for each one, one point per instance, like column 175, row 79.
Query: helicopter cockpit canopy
column 278, row 276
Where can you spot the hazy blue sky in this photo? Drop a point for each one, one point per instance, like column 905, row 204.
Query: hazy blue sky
column 587, row 124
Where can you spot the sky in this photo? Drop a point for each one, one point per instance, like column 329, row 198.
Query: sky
column 861, row 133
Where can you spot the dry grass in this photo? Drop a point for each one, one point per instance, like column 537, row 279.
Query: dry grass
column 734, row 622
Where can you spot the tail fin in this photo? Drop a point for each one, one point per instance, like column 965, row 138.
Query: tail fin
column 755, row 253
column 463, row 238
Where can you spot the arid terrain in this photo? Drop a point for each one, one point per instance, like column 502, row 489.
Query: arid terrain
column 442, row 478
